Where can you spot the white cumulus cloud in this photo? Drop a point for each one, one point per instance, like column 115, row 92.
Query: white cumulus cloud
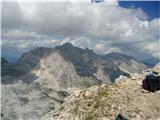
column 105, row 26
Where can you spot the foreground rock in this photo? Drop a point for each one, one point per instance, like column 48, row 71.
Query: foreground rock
column 103, row 103
column 21, row 101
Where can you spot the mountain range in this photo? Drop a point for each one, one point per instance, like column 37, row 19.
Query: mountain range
column 66, row 66
column 43, row 77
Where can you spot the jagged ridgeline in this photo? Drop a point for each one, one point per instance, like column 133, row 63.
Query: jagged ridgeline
column 44, row 77
column 68, row 66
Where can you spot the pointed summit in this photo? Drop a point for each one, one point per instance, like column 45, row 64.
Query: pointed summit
column 67, row 44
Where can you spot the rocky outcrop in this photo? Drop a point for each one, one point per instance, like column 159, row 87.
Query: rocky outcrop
column 21, row 101
column 44, row 77
column 103, row 102
column 61, row 74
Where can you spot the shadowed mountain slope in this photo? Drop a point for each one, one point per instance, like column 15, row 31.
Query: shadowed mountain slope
column 67, row 66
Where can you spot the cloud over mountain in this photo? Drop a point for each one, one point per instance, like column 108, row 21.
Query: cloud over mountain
column 105, row 27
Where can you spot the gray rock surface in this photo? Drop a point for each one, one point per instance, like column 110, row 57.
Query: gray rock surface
column 67, row 66
column 104, row 102
column 21, row 101
column 44, row 77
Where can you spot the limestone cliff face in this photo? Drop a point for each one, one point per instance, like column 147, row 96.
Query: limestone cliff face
column 103, row 102
column 55, row 72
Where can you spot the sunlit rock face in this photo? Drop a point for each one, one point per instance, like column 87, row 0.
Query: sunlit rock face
column 104, row 102
column 44, row 77
column 67, row 66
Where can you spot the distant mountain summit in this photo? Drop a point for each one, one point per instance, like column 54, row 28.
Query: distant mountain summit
column 44, row 77
column 68, row 66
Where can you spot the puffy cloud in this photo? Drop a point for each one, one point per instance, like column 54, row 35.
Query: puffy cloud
column 16, row 34
column 105, row 27
column 24, row 45
column 106, row 48
column 81, row 42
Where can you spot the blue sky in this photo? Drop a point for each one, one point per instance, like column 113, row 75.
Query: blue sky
column 151, row 8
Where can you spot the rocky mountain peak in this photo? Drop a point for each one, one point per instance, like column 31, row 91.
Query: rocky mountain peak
column 67, row 44
column 80, row 63
column 44, row 77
